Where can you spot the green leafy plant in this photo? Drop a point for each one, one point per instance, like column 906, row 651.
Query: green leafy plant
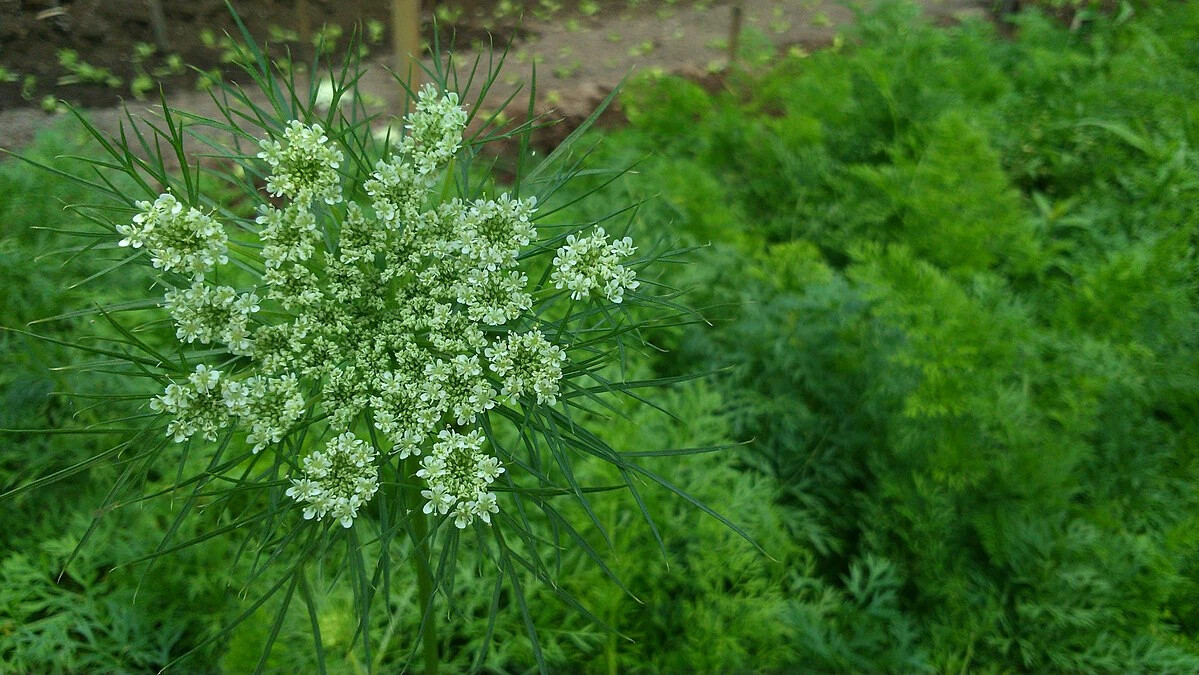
column 361, row 350
column 28, row 86
column 448, row 15
column 325, row 40
column 374, row 31
column 279, row 34
column 81, row 72
column 945, row 338
column 50, row 104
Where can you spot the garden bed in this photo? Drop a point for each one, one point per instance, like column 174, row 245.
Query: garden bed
column 113, row 42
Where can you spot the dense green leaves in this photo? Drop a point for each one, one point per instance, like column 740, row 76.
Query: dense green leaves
column 955, row 345
column 961, row 299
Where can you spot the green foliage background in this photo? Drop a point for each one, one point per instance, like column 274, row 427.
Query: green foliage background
column 953, row 285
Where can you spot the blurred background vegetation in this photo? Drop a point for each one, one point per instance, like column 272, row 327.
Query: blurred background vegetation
column 952, row 278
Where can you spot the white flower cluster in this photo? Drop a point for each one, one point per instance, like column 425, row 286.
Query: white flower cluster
column 396, row 193
column 338, row 480
column 529, row 364
column 213, row 314
column 197, row 406
column 458, row 387
column 589, row 264
column 205, row 403
column 270, row 405
column 460, row 474
column 404, row 409
column 494, row 298
column 178, row 238
column 493, row 232
column 434, row 130
column 408, row 310
column 288, row 235
column 304, row 167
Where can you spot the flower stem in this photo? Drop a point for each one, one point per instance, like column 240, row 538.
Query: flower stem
column 422, row 561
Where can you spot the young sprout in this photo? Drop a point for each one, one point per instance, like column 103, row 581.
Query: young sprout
column 280, row 34
column 568, row 70
column 374, row 31
column 546, row 9
column 505, row 9
column 641, row 49
column 448, row 15
column 28, row 87
column 50, row 104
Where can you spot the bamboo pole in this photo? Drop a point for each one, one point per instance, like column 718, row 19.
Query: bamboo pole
column 405, row 40
column 738, row 9
column 303, row 21
column 158, row 25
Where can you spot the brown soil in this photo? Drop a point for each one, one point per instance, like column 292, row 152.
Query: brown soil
column 104, row 33
column 579, row 58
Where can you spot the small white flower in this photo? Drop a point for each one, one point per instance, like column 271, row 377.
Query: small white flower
column 304, row 166
column 338, row 480
column 586, row 265
column 197, row 407
column 458, row 473
column 178, row 239
column 486, row 506
column 529, row 365
column 434, row 130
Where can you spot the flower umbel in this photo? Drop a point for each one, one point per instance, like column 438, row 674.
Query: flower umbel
column 338, row 480
column 435, row 130
column 303, row 166
column 213, row 314
column 197, row 406
column 459, row 475
column 407, row 311
column 339, row 320
column 270, row 405
column 530, row 366
column 590, row 265
column 179, row 238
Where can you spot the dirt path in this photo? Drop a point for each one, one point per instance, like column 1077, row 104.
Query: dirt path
column 580, row 60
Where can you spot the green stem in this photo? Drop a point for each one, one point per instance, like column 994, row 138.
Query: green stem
column 421, row 560
column 610, row 650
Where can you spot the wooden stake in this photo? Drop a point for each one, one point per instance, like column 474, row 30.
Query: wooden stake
column 303, row 21
column 158, row 25
column 738, row 9
column 405, row 40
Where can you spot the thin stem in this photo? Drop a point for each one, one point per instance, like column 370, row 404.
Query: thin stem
column 422, row 561
column 610, row 650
